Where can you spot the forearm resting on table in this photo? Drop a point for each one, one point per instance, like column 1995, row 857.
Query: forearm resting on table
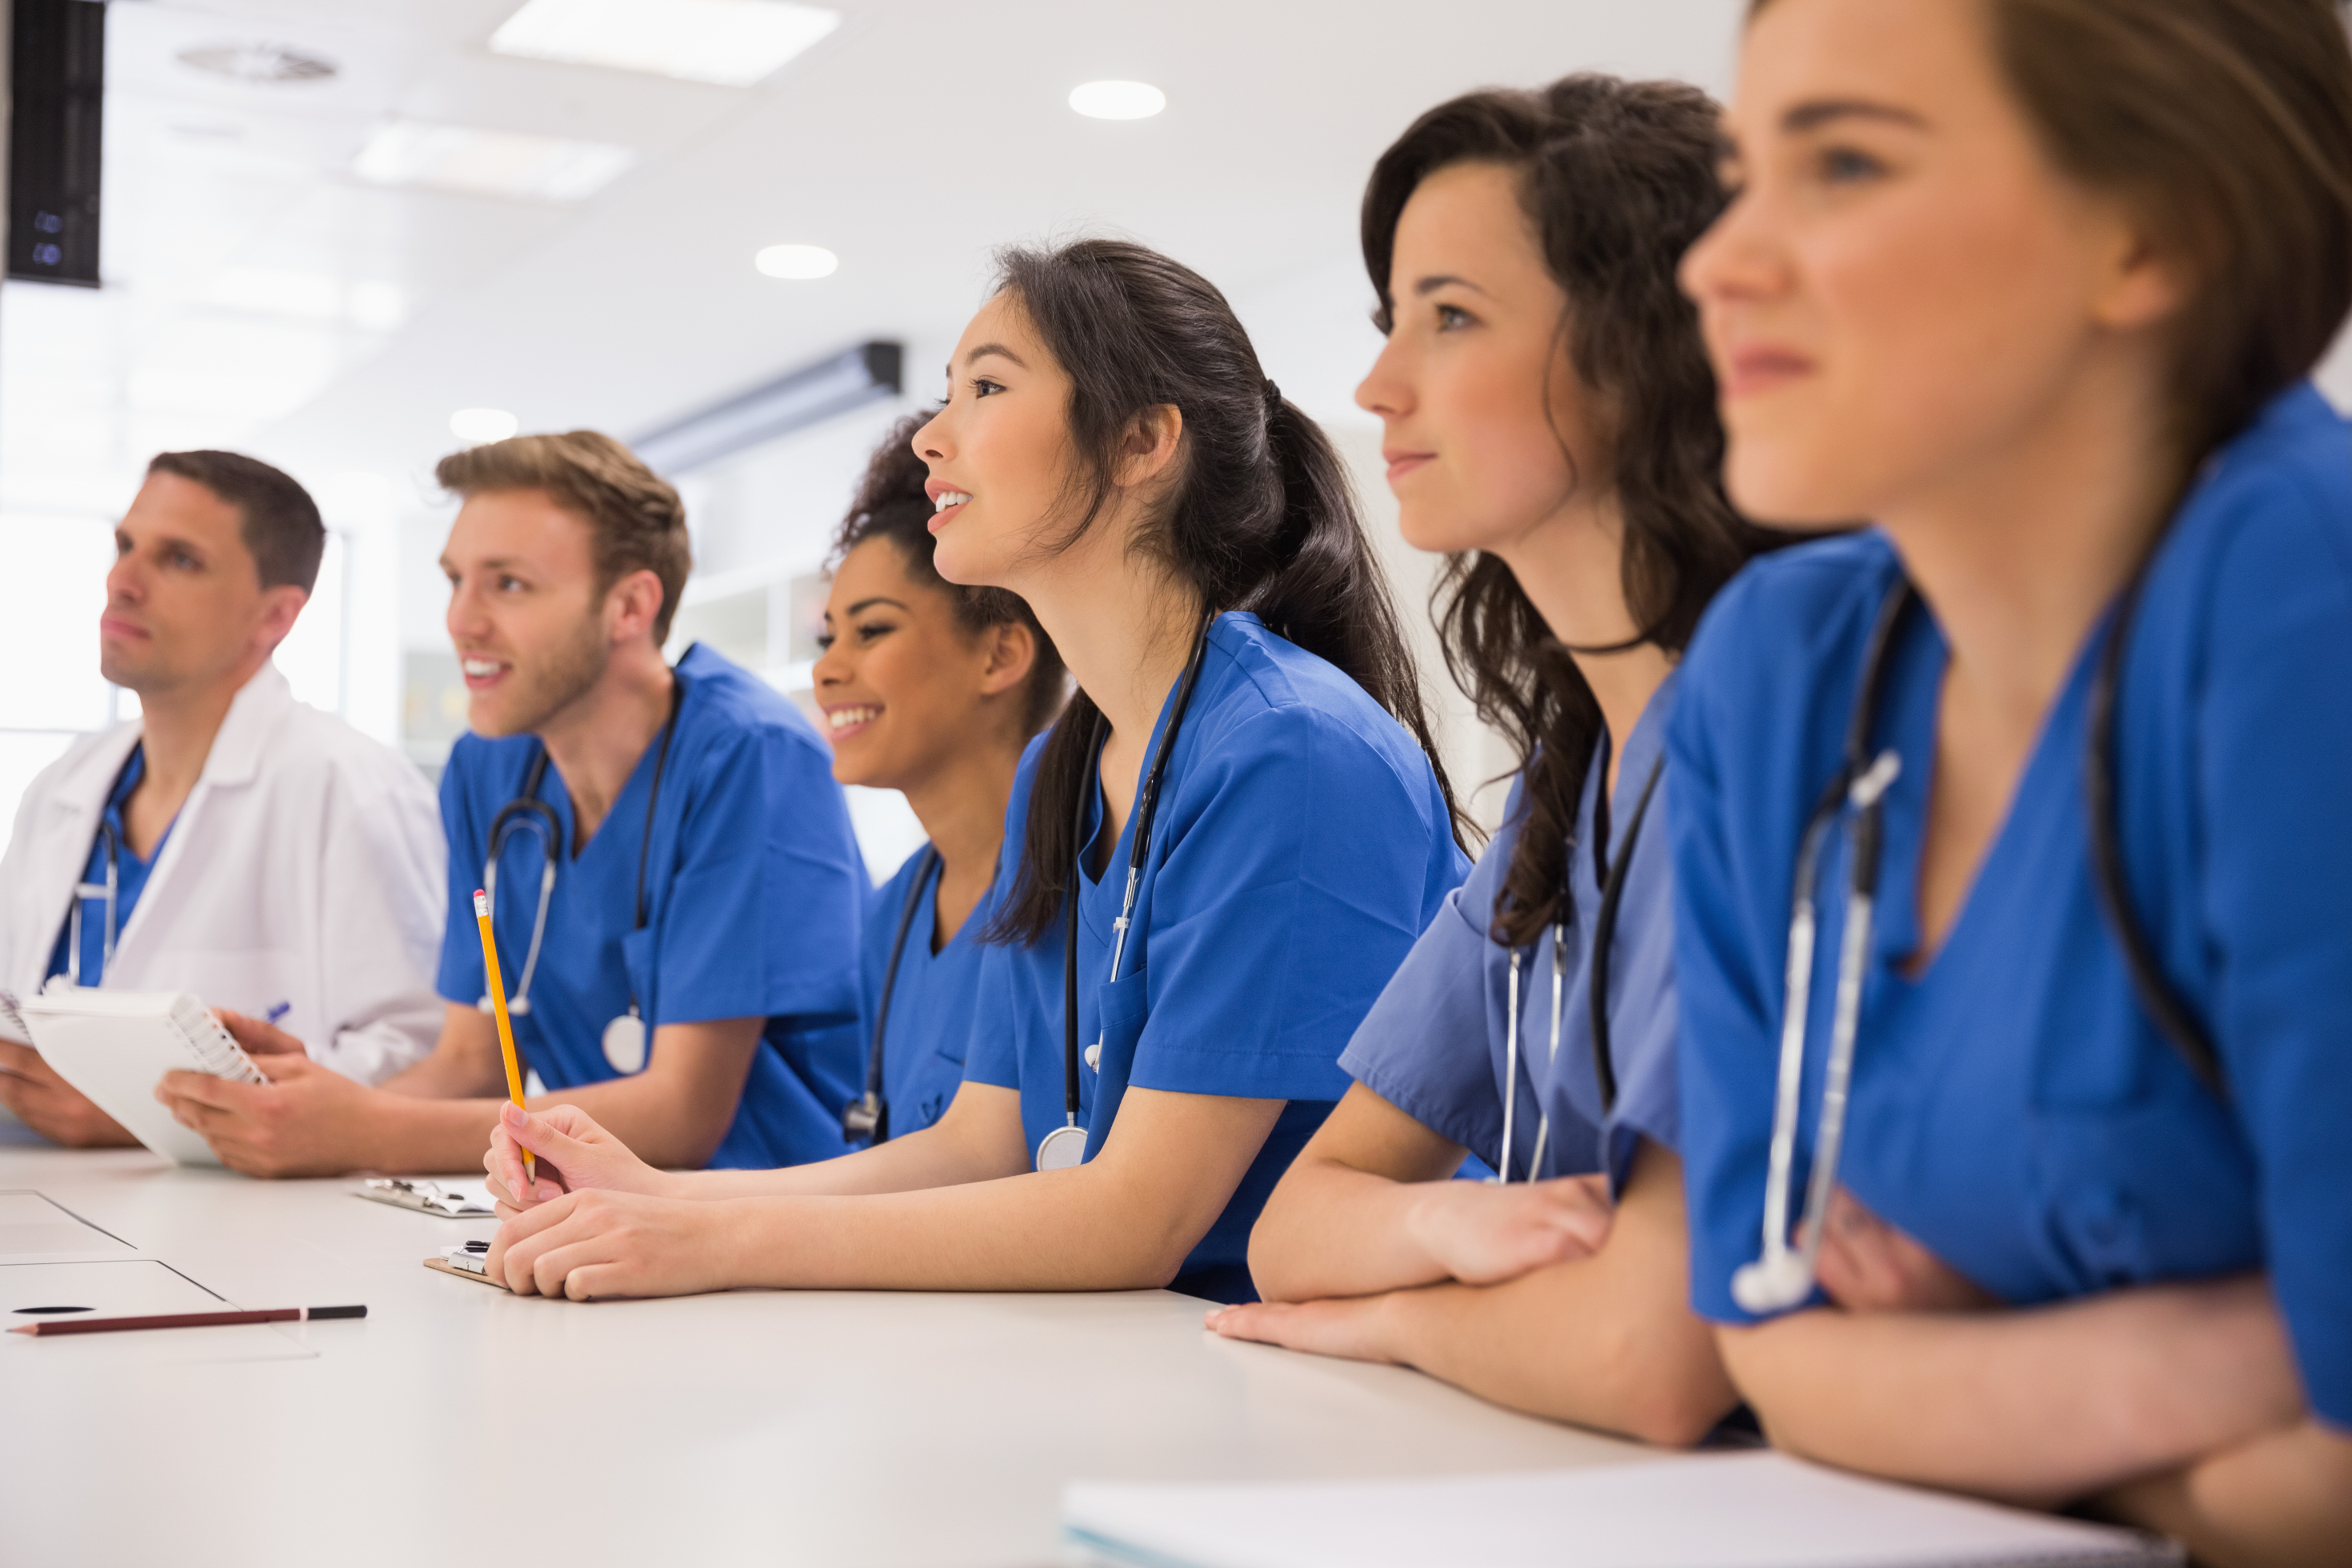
column 2037, row 1405
column 1607, row 1341
column 2283, row 1499
column 979, row 1139
column 1339, row 1222
column 1126, row 1220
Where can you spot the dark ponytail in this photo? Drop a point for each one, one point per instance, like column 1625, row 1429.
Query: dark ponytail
column 1617, row 179
column 1260, row 517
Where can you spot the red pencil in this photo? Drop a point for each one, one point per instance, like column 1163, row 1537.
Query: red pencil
column 185, row 1321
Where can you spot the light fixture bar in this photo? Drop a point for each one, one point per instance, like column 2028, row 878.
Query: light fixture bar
column 793, row 401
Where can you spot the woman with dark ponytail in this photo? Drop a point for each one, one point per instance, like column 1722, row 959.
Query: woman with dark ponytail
column 1215, row 859
column 1550, row 424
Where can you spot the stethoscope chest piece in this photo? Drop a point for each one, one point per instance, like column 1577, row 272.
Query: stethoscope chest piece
column 624, row 1042
column 1062, row 1148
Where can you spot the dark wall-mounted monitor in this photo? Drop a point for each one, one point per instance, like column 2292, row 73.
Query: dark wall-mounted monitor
column 57, row 70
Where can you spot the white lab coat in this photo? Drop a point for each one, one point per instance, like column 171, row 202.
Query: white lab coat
column 306, row 870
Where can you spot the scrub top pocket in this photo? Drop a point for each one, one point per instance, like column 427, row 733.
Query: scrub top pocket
column 1124, row 1006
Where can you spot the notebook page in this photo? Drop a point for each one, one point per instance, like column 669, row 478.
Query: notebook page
column 1700, row 1510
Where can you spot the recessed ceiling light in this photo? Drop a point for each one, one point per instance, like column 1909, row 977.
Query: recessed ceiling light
column 732, row 42
column 1117, row 100
column 260, row 62
column 488, row 162
column 796, row 261
column 477, row 425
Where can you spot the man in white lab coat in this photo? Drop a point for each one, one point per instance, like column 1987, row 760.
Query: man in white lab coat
column 264, row 855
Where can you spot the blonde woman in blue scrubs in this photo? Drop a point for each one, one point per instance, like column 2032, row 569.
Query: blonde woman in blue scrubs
column 2034, row 285
column 1160, row 1014
column 1550, row 423
column 932, row 689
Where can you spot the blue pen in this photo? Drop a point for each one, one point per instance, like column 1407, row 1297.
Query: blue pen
column 278, row 1012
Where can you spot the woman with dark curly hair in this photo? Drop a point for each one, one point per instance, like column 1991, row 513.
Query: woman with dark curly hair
column 1550, row 426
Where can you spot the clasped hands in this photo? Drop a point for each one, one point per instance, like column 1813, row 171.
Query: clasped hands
column 1476, row 1233
column 596, row 1222
column 1488, row 1235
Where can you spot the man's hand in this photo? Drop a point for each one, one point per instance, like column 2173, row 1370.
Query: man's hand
column 307, row 1120
column 592, row 1246
column 259, row 1038
column 53, row 1108
column 1353, row 1328
column 1868, row 1266
column 1483, row 1233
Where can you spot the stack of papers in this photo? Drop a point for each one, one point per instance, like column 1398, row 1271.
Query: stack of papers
column 1701, row 1511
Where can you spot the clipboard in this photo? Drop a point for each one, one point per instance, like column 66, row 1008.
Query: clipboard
column 450, row 1200
column 444, row 1266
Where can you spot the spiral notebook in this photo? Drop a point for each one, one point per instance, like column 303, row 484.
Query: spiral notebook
column 1698, row 1511
column 116, row 1046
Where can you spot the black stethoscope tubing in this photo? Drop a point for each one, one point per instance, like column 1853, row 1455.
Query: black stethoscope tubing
column 529, row 805
column 1610, row 879
column 1147, row 805
column 868, row 1118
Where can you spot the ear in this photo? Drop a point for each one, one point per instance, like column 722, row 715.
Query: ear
column 1012, row 654
column 632, row 604
column 1149, row 449
column 2138, row 284
column 280, row 606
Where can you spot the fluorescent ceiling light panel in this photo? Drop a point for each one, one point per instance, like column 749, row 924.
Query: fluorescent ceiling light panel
column 488, row 162
column 733, row 43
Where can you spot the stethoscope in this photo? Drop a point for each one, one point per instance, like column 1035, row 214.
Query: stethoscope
column 1067, row 1145
column 1612, row 882
column 868, row 1116
column 1783, row 1276
column 84, row 892
column 624, row 1036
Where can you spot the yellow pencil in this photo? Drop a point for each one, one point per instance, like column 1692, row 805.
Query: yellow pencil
column 506, row 1025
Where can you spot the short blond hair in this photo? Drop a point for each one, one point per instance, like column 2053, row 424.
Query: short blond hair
column 635, row 520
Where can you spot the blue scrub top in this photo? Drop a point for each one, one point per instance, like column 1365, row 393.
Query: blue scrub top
column 130, row 879
column 2012, row 1108
column 754, row 889
column 1436, row 1044
column 1301, row 846
column 930, row 1006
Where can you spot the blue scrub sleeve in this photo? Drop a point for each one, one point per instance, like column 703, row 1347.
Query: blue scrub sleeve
column 1727, row 1051
column 1284, row 901
column 1644, row 1018
column 993, row 1056
column 1424, row 1046
column 762, row 916
column 2276, row 754
column 459, row 978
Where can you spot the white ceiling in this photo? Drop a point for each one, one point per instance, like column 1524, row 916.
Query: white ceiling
column 258, row 296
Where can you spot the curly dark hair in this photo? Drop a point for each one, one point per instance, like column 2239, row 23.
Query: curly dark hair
column 892, row 504
column 1617, row 179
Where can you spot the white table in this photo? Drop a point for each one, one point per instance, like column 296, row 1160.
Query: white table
column 457, row 1423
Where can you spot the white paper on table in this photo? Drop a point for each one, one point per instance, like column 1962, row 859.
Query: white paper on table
column 1698, row 1511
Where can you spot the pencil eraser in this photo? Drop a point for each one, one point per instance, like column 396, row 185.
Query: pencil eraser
column 481, row 903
